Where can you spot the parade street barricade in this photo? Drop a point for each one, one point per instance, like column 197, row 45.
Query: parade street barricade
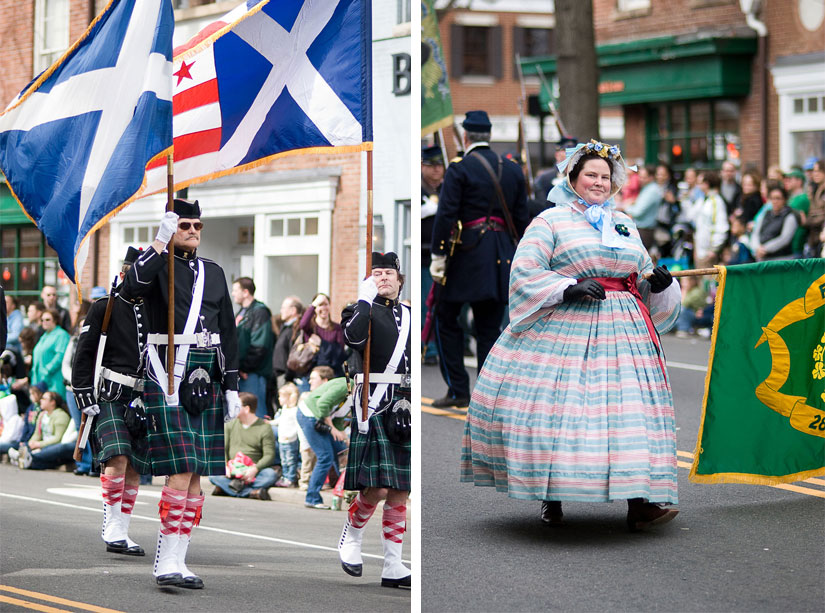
column 763, row 414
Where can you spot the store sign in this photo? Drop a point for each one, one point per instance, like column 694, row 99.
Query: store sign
column 611, row 87
column 401, row 82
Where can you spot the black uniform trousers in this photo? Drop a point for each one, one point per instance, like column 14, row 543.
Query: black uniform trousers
column 449, row 336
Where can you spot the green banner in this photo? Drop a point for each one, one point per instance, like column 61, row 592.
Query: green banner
column 763, row 415
column 436, row 104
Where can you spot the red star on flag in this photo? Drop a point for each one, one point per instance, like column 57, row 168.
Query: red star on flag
column 183, row 72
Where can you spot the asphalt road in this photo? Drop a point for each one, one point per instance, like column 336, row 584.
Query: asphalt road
column 252, row 555
column 732, row 547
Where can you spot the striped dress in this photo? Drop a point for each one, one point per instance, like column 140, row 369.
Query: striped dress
column 572, row 402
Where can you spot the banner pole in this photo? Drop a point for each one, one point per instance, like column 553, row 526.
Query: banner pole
column 170, row 348
column 365, row 390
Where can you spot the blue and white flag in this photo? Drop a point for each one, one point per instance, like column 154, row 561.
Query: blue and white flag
column 75, row 144
column 270, row 78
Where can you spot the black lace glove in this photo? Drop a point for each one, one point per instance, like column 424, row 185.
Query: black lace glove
column 584, row 289
column 660, row 279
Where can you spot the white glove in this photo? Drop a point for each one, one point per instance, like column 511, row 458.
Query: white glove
column 92, row 410
column 368, row 290
column 168, row 227
column 438, row 267
column 233, row 404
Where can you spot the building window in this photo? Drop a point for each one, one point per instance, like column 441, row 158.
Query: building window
column 624, row 6
column 27, row 263
column 293, row 226
column 139, row 234
column 476, row 51
column 51, row 32
column 700, row 133
column 533, row 42
column 404, row 13
column 403, row 229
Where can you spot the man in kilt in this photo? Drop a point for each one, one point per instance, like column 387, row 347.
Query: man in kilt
column 119, row 434
column 185, row 429
column 379, row 455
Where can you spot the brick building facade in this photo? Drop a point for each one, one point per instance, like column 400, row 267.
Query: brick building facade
column 709, row 50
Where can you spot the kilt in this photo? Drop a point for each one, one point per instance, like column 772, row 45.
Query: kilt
column 180, row 442
column 113, row 438
column 374, row 460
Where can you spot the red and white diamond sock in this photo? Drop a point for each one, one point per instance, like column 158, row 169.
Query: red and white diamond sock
column 360, row 511
column 394, row 522
column 112, row 488
column 171, row 507
column 191, row 515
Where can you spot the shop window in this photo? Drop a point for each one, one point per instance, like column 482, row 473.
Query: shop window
column 27, row 263
column 701, row 133
column 476, row 51
column 533, row 42
column 51, row 32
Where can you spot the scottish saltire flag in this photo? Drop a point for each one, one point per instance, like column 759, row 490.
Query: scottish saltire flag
column 75, row 144
column 269, row 79
column 763, row 416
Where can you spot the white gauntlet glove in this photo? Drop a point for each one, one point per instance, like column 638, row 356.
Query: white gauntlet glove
column 233, row 405
column 168, row 227
column 438, row 267
column 92, row 410
column 368, row 290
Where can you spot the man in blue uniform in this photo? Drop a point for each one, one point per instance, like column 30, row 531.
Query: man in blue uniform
column 482, row 213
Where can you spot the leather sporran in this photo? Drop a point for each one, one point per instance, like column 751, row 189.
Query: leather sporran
column 134, row 417
column 302, row 355
column 398, row 421
column 195, row 391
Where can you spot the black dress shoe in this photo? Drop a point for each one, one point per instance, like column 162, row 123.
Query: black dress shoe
column 642, row 515
column 354, row 570
column 170, row 579
column 403, row 582
column 551, row 513
column 192, row 583
column 122, row 547
column 449, row 401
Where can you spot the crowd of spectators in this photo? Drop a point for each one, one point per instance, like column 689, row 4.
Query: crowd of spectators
column 708, row 217
column 285, row 430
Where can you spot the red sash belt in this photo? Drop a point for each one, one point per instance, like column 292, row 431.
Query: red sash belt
column 498, row 221
column 628, row 284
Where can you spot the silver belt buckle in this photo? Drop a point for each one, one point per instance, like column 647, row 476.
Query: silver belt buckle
column 206, row 339
column 406, row 380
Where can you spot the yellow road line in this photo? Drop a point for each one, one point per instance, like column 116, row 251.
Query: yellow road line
column 31, row 605
column 799, row 490
column 56, row 600
column 815, row 481
column 441, row 413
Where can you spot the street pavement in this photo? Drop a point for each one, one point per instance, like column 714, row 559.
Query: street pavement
column 252, row 555
column 732, row 547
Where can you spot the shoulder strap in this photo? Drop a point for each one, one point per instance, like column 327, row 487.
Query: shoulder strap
column 511, row 227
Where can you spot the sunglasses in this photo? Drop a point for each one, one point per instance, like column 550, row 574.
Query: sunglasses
column 184, row 225
column 46, row 319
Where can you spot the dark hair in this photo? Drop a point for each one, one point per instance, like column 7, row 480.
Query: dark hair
column 574, row 173
column 37, row 304
column 27, row 338
column 246, row 283
column 58, row 399
column 249, row 400
column 667, row 168
column 13, row 299
column 711, row 177
column 325, row 372
column 778, row 188
column 55, row 315
column 321, row 294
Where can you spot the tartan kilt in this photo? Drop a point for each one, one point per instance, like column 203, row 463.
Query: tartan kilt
column 113, row 438
column 180, row 442
column 374, row 460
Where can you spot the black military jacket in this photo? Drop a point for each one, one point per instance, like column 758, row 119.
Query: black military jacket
column 386, row 322
column 148, row 278
column 125, row 342
column 480, row 268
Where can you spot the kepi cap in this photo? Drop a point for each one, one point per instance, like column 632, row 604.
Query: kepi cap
column 432, row 156
column 131, row 255
column 477, row 121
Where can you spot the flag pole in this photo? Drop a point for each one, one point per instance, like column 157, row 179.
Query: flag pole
column 693, row 272
column 365, row 390
column 170, row 348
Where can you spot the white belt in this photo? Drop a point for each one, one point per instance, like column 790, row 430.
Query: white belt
column 132, row 382
column 388, row 378
column 200, row 339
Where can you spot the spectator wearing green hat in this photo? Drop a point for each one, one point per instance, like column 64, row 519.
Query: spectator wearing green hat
column 799, row 202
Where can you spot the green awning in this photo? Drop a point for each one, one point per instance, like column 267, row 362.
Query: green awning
column 664, row 68
column 10, row 211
